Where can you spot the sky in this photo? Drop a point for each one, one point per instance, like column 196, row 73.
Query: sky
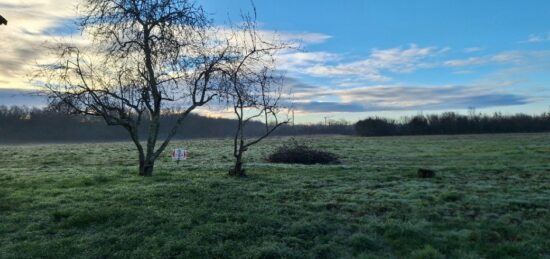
column 357, row 58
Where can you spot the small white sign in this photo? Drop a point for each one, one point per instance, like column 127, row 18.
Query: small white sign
column 179, row 154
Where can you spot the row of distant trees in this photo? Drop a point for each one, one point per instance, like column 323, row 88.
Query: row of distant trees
column 454, row 123
column 19, row 124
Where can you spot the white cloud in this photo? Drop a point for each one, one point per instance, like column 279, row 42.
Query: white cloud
column 507, row 57
column 372, row 68
column 405, row 97
column 465, row 62
column 473, row 49
column 463, row 72
column 30, row 24
column 537, row 38
column 295, row 60
column 305, row 37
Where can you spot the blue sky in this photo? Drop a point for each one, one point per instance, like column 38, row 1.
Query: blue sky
column 364, row 57
column 493, row 54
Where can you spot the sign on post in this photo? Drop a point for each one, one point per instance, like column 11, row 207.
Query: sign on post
column 179, row 154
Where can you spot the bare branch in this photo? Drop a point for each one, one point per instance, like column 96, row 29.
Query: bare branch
column 146, row 55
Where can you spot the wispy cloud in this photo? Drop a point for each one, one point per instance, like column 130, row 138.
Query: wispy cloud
column 507, row 57
column 305, row 37
column 466, row 62
column 10, row 96
column 297, row 61
column 398, row 97
column 372, row 68
column 345, row 78
column 537, row 38
column 31, row 23
column 473, row 49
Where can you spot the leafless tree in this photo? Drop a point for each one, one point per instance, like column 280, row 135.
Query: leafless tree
column 146, row 56
column 255, row 86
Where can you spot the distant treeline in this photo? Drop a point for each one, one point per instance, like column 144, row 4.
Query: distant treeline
column 454, row 123
column 32, row 125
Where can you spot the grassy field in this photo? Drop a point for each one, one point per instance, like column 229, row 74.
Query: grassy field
column 490, row 198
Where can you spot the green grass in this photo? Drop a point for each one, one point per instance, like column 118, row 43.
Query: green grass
column 490, row 198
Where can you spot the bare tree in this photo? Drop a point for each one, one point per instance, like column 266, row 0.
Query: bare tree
column 255, row 86
column 146, row 56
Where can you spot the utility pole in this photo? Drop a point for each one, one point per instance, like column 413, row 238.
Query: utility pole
column 472, row 111
column 326, row 120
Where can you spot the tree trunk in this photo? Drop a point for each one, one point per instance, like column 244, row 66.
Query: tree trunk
column 143, row 169
column 238, row 169
column 146, row 167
